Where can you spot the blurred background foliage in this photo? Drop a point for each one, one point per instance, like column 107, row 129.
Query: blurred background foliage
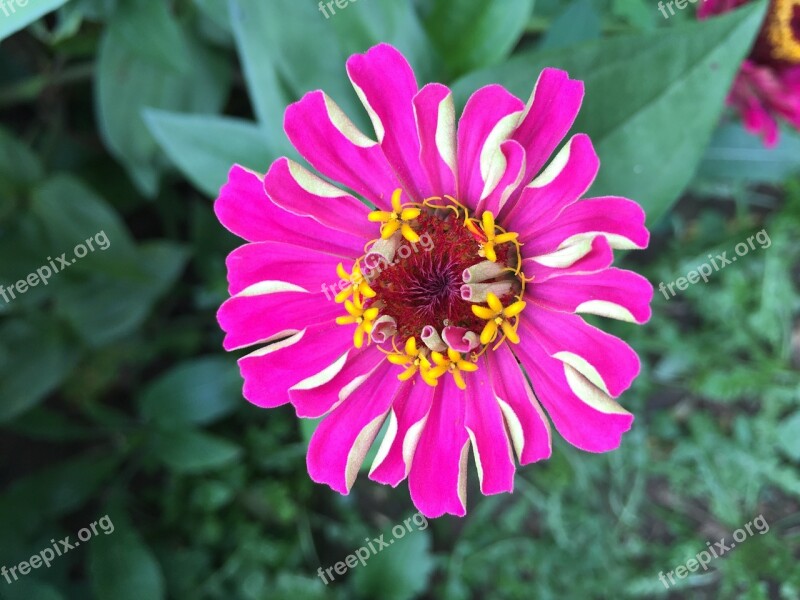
column 115, row 397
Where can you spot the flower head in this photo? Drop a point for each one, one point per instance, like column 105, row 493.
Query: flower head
column 767, row 87
column 464, row 267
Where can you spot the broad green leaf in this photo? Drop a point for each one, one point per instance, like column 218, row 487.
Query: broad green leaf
column 122, row 567
column 267, row 92
column 103, row 308
column 72, row 214
column 471, row 34
column 579, row 22
column 35, row 357
column 28, row 588
column 186, row 451
column 366, row 24
column 163, row 42
column 204, row 147
column 789, row 436
column 56, row 490
column 18, row 14
column 18, row 163
column 735, row 154
column 638, row 13
column 51, row 426
column 286, row 49
column 652, row 100
column 197, row 392
column 132, row 78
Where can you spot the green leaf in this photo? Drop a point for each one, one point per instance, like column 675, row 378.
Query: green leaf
column 471, row 34
column 197, row 392
column 30, row 589
column 267, row 93
column 789, row 436
column 364, row 25
column 163, row 41
column 735, row 154
column 102, row 308
column 123, row 567
column 652, row 100
column 18, row 163
column 71, row 214
column 35, row 358
column 307, row 52
column 56, row 490
column 579, row 22
column 204, row 147
column 131, row 78
column 19, row 14
column 192, row 451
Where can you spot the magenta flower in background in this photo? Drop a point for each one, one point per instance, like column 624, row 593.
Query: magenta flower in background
column 467, row 270
column 767, row 88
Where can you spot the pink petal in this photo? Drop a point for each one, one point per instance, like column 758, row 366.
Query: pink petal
column 549, row 114
column 584, row 415
column 385, row 83
column 244, row 208
column 526, row 421
column 607, row 361
column 332, row 144
column 274, row 261
column 438, row 477
column 266, row 311
column 407, row 420
column 621, row 221
column 317, row 401
column 436, row 126
column 341, row 441
column 612, row 293
column 302, row 193
column 269, row 372
column 598, row 257
column 488, row 120
column 487, row 430
column 507, row 170
column 561, row 184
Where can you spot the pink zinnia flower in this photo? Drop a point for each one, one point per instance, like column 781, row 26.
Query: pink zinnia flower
column 462, row 271
column 767, row 87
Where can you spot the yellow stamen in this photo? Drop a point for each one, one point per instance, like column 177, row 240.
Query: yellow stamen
column 499, row 318
column 400, row 218
column 363, row 317
column 489, row 232
column 414, row 360
column 779, row 31
column 452, row 363
column 359, row 286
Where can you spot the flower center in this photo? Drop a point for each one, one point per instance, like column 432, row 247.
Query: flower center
column 437, row 288
column 421, row 286
column 781, row 33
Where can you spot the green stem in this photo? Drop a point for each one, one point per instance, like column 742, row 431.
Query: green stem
column 31, row 88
